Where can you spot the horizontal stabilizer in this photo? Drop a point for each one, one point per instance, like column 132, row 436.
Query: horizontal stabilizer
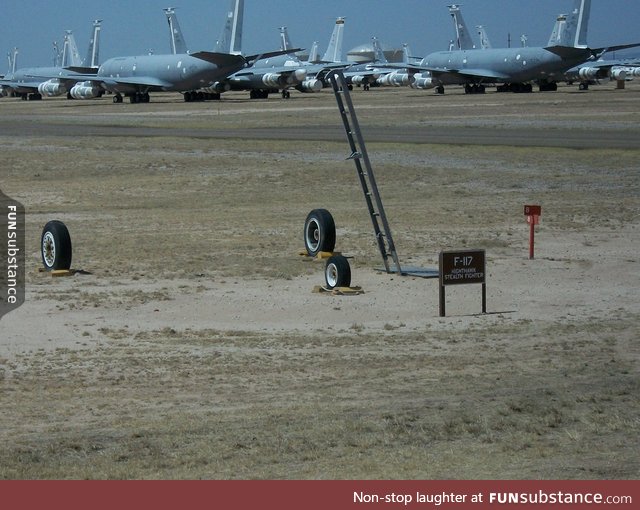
column 569, row 52
column 601, row 51
column 220, row 59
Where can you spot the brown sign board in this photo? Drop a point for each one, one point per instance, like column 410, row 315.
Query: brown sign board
column 462, row 267
column 532, row 210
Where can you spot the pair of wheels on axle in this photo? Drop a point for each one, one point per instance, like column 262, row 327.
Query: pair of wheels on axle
column 320, row 236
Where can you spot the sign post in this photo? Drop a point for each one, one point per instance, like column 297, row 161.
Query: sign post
column 533, row 213
column 462, row 267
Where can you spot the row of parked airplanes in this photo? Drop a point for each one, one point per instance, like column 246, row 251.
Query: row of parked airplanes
column 205, row 75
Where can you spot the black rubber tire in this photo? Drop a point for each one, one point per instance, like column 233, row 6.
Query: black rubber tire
column 319, row 232
column 55, row 246
column 337, row 272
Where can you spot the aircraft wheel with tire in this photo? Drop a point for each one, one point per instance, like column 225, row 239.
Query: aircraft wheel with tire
column 337, row 272
column 319, row 232
column 55, row 244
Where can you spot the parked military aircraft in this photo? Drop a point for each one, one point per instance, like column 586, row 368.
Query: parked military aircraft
column 135, row 76
column 272, row 74
column 12, row 58
column 369, row 74
column 593, row 72
column 516, row 68
column 35, row 82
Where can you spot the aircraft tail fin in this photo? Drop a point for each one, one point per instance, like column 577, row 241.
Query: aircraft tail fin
column 378, row 54
column 70, row 53
column 285, row 41
column 485, row 44
column 574, row 32
column 406, row 54
column 93, row 54
column 231, row 38
column 178, row 43
column 334, row 51
column 12, row 56
column 314, row 56
column 463, row 37
column 558, row 30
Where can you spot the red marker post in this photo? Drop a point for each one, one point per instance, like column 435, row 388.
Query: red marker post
column 533, row 213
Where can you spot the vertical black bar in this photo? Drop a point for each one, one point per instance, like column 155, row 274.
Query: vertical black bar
column 484, row 298
column 442, row 302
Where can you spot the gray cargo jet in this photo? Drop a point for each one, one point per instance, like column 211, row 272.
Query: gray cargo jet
column 516, row 68
column 35, row 82
column 134, row 77
column 271, row 74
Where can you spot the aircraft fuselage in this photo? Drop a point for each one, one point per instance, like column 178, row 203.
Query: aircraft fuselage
column 176, row 73
column 508, row 65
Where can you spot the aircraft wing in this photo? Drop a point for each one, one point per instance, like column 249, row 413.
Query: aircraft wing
column 251, row 59
column 472, row 74
column 82, row 70
column 17, row 85
column 67, row 76
column 220, row 59
column 141, row 81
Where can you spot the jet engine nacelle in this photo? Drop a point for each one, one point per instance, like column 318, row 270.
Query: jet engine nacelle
column 298, row 76
column 311, row 85
column 618, row 74
column 636, row 71
column 423, row 82
column 85, row 90
column 396, row 79
column 588, row 73
column 275, row 80
column 358, row 79
column 51, row 88
column 218, row 88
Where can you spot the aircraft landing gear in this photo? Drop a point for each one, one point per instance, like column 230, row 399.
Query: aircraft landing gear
column 117, row 99
column 549, row 87
column 139, row 97
column 474, row 89
column 583, row 86
column 259, row 94
column 440, row 90
column 517, row 88
column 286, row 94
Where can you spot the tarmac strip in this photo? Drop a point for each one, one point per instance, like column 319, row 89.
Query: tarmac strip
column 448, row 135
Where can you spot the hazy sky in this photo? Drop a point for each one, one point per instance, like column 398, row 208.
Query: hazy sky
column 133, row 27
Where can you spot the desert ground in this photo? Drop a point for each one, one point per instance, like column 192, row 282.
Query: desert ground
column 190, row 343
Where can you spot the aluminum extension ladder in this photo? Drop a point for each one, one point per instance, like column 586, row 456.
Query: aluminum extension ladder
column 367, row 179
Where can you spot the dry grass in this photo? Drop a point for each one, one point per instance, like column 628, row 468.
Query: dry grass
column 208, row 404
column 510, row 397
